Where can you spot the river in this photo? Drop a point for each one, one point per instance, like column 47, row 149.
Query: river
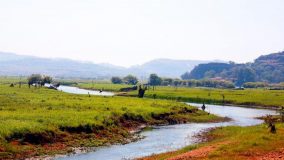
column 167, row 138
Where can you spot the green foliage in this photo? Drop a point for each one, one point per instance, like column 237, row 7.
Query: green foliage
column 269, row 68
column 155, row 80
column 39, row 79
column 47, row 79
column 243, row 74
column 130, row 79
column 249, row 97
column 200, row 83
column 34, row 78
column 255, row 85
column 116, row 80
column 202, row 70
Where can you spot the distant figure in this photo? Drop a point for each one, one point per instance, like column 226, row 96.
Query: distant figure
column 141, row 91
column 282, row 114
column 12, row 85
column 89, row 94
column 100, row 90
column 203, row 107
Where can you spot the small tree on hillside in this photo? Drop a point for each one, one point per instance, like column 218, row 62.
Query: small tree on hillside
column 130, row 79
column 116, row 80
column 154, row 80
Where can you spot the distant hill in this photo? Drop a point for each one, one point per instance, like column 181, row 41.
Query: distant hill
column 266, row 68
column 166, row 67
column 14, row 65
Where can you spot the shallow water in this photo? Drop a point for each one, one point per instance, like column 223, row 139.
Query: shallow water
column 169, row 138
column 76, row 90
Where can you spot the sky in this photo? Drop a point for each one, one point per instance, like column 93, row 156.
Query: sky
column 129, row 32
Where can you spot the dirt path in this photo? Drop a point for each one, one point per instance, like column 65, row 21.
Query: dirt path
column 198, row 153
column 203, row 152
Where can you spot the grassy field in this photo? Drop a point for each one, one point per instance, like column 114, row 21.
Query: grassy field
column 40, row 116
column 103, row 86
column 248, row 97
column 233, row 143
column 12, row 79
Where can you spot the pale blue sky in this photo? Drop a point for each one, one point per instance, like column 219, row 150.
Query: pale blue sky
column 127, row 32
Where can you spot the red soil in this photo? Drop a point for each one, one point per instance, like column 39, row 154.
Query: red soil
column 199, row 153
column 203, row 152
column 275, row 155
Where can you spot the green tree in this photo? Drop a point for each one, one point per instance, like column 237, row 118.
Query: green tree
column 130, row 79
column 155, row 80
column 34, row 79
column 116, row 80
column 47, row 79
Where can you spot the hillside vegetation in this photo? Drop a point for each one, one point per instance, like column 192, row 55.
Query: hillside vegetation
column 267, row 68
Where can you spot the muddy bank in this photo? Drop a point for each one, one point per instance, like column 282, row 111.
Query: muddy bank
column 67, row 139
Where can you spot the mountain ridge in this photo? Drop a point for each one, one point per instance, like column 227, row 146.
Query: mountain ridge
column 12, row 64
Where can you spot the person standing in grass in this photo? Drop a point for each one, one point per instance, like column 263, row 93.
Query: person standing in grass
column 203, row 107
column 282, row 114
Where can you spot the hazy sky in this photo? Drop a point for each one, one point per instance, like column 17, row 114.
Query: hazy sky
column 127, row 32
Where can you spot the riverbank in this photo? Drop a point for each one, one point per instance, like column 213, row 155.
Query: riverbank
column 254, row 142
column 39, row 121
column 255, row 98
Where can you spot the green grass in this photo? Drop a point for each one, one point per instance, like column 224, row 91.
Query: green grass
column 12, row 79
column 103, row 86
column 39, row 110
column 249, row 97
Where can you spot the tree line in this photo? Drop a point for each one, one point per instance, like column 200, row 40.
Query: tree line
column 38, row 80
column 155, row 80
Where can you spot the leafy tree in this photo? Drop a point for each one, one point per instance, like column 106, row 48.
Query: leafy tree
column 116, row 80
column 47, row 79
column 34, row 79
column 130, row 79
column 38, row 79
column 155, row 80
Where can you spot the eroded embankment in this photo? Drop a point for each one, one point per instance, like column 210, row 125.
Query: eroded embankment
column 115, row 130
